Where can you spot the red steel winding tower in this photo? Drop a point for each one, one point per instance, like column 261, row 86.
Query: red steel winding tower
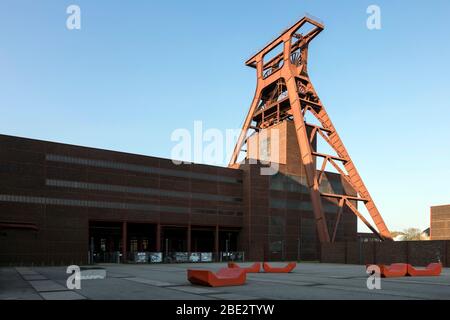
column 284, row 92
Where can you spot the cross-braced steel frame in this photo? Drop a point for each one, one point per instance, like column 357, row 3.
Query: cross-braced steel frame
column 284, row 91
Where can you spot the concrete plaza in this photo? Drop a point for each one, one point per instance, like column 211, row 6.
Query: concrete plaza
column 169, row 281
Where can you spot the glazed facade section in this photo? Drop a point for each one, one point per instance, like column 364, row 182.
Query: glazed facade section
column 279, row 220
column 62, row 204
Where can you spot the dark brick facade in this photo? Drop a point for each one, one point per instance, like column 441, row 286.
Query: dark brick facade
column 52, row 195
column 440, row 222
column 418, row 253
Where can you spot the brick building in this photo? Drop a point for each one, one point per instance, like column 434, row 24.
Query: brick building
column 62, row 204
column 440, row 222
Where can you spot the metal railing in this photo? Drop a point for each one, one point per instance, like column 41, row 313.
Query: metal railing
column 237, row 256
column 104, row 257
column 146, row 257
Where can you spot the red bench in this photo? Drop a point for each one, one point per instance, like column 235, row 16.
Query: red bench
column 254, row 268
column 223, row 277
column 286, row 269
column 433, row 269
column 393, row 270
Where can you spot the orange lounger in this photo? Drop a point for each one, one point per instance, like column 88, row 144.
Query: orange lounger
column 288, row 268
column 393, row 270
column 254, row 268
column 224, row 277
column 433, row 269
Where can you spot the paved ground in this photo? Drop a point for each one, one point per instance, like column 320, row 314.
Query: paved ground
column 308, row 281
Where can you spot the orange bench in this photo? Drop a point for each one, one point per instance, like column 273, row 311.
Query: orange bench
column 223, row 277
column 433, row 269
column 254, row 268
column 393, row 270
column 288, row 268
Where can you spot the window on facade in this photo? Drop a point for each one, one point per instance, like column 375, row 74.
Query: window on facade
column 133, row 245
column 145, row 244
column 103, row 245
column 276, row 246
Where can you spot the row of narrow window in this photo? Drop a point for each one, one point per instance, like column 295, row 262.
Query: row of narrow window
column 138, row 190
column 110, row 205
column 140, row 168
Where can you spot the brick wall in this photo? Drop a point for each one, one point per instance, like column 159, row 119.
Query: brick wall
column 333, row 252
column 440, row 222
column 391, row 251
column 418, row 253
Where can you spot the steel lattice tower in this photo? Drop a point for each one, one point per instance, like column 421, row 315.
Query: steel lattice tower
column 284, row 92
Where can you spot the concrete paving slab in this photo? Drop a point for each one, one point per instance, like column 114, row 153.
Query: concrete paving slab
column 286, row 282
column 437, row 281
column 26, row 271
column 150, row 282
column 20, row 295
column 47, row 285
column 30, row 277
column 193, row 289
column 119, row 275
column 14, row 287
column 120, row 289
column 62, row 295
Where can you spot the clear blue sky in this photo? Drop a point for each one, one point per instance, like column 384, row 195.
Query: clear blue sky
column 137, row 70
